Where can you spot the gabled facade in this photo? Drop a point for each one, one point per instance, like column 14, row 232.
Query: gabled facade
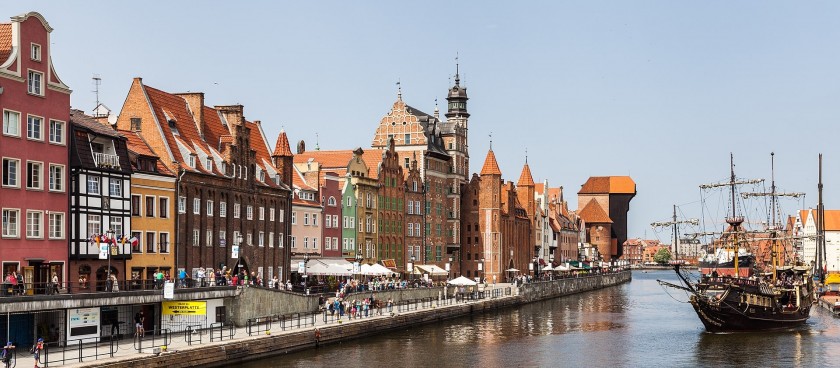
column 610, row 196
column 35, row 107
column 307, row 230
column 100, row 202
column 391, row 181
column 232, row 190
column 331, row 202
column 414, row 193
column 152, row 213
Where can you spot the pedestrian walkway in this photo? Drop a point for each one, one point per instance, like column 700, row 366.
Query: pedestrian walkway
column 127, row 349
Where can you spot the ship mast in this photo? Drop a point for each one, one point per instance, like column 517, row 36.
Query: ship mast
column 676, row 224
column 820, row 228
column 774, row 195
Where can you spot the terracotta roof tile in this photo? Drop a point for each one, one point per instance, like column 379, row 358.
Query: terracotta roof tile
column 5, row 41
column 136, row 143
column 539, row 187
column 88, row 122
column 215, row 133
column 593, row 213
column 336, row 161
column 608, row 185
column 258, row 142
column 282, row 148
column 526, row 179
column 491, row 166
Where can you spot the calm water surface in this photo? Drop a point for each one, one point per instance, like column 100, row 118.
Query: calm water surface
column 634, row 325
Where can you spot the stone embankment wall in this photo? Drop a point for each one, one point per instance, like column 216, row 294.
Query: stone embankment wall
column 258, row 302
column 226, row 353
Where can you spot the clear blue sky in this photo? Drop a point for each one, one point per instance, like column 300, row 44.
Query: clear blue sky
column 659, row 90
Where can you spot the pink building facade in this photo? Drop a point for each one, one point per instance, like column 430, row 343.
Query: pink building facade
column 35, row 105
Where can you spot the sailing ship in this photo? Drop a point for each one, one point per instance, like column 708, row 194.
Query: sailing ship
column 749, row 299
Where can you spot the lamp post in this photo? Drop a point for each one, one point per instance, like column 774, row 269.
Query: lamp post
column 110, row 233
column 358, row 261
column 449, row 269
column 305, row 276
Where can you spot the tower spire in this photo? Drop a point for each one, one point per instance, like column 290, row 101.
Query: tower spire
column 491, row 140
column 399, row 90
column 457, row 70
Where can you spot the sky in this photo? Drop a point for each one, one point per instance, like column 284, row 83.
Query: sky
column 662, row 91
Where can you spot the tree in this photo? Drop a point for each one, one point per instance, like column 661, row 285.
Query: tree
column 662, row 256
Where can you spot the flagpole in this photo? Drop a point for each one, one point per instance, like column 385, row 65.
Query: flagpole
column 111, row 233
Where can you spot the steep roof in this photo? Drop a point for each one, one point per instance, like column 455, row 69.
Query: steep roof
column 281, row 148
column 608, row 185
column 526, row 179
column 594, row 213
column 137, row 145
column 491, row 166
column 336, row 161
column 81, row 119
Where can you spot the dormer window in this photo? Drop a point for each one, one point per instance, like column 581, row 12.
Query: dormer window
column 277, row 179
column 191, row 161
column 209, row 163
column 224, row 167
column 262, row 176
column 35, row 52
column 173, row 128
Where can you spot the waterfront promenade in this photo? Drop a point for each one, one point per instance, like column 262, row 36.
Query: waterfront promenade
column 265, row 337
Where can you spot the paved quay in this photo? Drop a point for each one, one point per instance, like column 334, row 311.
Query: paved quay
column 223, row 345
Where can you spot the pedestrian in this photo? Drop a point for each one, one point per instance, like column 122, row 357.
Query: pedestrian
column 212, row 277
column 390, row 305
column 289, row 285
column 115, row 282
column 36, row 350
column 276, row 282
column 201, row 275
column 55, row 283
column 20, row 284
column 139, row 319
column 182, row 278
column 7, row 354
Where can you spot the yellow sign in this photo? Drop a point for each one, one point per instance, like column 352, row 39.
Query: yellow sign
column 178, row 308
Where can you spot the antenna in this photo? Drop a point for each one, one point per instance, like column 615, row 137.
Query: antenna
column 317, row 146
column 96, row 82
column 491, row 140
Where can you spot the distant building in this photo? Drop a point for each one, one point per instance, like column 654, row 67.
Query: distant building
column 603, row 203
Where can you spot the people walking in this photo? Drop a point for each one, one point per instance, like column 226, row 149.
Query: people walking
column 36, row 350
column 7, row 354
column 139, row 319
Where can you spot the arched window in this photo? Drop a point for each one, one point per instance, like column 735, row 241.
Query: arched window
column 331, row 201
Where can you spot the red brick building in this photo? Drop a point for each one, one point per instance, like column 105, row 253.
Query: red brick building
column 603, row 203
column 35, row 105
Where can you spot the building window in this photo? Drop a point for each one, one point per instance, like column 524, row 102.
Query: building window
column 34, row 227
column 280, row 241
column 222, row 238
column 262, row 213
column 34, row 127
column 410, row 229
column 10, row 172
column 56, row 178
column 249, row 212
column 136, row 124
column 327, row 243
column 150, row 206
column 164, row 243
column 335, row 220
column 135, row 205
column 182, row 204
column 56, row 225
column 261, row 239
column 35, row 83
column 150, row 242
column 163, row 209
column 115, row 187
column 305, row 219
column 196, row 206
column 294, row 217
column 282, row 215
column 196, row 237
column 407, row 141
column 11, row 123
column 135, row 244
column 271, row 239
column 209, row 238
column 236, row 209
column 305, row 242
column 191, row 161
column 249, row 239
column 222, row 209
column 314, row 219
column 271, row 214
column 94, row 225
column 35, row 52
column 208, row 163
column 116, row 226
column 292, row 241
column 33, row 175
column 93, row 185
column 10, row 223
column 327, row 221
column 209, row 208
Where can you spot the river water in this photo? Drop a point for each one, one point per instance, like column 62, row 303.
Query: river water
column 633, row 325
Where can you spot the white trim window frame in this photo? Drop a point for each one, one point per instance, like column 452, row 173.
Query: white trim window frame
column 35, row 82
column 57, row 131
column 34, row 224
column 56, row 178
column 94, row 184
column 56, row 225
column 11, row 172
column 34, row 127
column 34, row 175
column 11, row 127
column 10, row 223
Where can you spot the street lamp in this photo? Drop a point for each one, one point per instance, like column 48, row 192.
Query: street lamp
column 358, row 261
column 449, row 269
column 110, row 233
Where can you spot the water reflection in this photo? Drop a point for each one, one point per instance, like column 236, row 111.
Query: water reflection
column 633, row 325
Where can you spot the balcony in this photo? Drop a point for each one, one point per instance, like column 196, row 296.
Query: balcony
column 104, row 160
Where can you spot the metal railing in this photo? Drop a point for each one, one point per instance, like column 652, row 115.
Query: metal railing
column 77, row 350
column 49, row 288
column 106, row 160
column 193, row 333
column 220, row 330
column 158, row 338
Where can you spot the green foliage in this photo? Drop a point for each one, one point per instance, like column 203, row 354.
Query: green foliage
column 662, row 256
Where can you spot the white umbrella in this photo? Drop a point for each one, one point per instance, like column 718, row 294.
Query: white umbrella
column 511, row 270
column 462, row 281
column 548, row 268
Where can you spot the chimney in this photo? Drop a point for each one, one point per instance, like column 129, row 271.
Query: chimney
column 232, row 114
column 195, row 102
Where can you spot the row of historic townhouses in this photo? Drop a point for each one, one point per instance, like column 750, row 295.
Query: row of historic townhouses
column 100, row 203
column 543, row 221
column 366, row 190
column 35, row 105
column 633, row 249
column 233, row 193
column 525, row 195
column 331, row 202
column 414, row 193
column 392, row 210
column 307, row 230
column 613, row 195
column 152, row 213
